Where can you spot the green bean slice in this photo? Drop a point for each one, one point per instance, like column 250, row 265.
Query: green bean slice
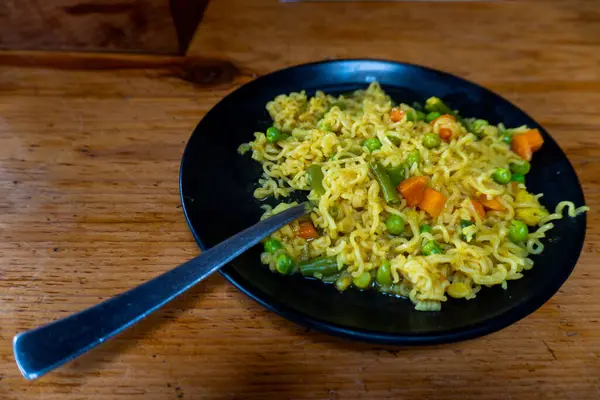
column 388, row 189
column 315, row 179
column 322, row 265
column 435, row 104
column 397, row 174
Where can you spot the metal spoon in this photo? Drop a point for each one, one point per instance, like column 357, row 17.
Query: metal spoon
column 43, row 349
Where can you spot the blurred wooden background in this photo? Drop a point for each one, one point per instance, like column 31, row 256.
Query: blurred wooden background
column 147, row 26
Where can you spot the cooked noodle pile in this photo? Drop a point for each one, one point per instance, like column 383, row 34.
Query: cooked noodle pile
column 469, row 244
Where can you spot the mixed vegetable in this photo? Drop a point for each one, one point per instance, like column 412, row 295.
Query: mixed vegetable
column 396, row 185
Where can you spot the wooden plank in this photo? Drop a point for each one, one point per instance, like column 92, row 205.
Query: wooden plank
column 89, row 207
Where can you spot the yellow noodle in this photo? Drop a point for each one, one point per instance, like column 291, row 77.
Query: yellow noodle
column 351, row 213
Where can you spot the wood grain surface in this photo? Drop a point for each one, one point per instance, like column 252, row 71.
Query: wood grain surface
column 151, row 26
column 89, row 206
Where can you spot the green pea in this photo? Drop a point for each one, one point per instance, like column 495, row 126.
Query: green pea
column 506, row 137
column 431, row 140
column 343, row 282
column 430, row 247
column 363, row 281
column 522, row 167
column 432, row 115
column 384, row 274
column 425, row 228
column 395, row 224
column 519, row 178
column 274, row 135
column 372, row 144
column 284, row 264
column 271, row 245
column 414, row 157
column 517, row 231
column 501, row 176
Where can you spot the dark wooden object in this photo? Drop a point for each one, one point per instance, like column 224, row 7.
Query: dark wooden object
column 148, row 26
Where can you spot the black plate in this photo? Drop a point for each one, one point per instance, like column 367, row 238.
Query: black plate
column 217, row 183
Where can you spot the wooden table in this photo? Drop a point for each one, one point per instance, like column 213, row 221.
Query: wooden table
column 89, row 204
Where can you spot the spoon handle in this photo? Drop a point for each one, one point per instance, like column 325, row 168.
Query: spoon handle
column 43, row 349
